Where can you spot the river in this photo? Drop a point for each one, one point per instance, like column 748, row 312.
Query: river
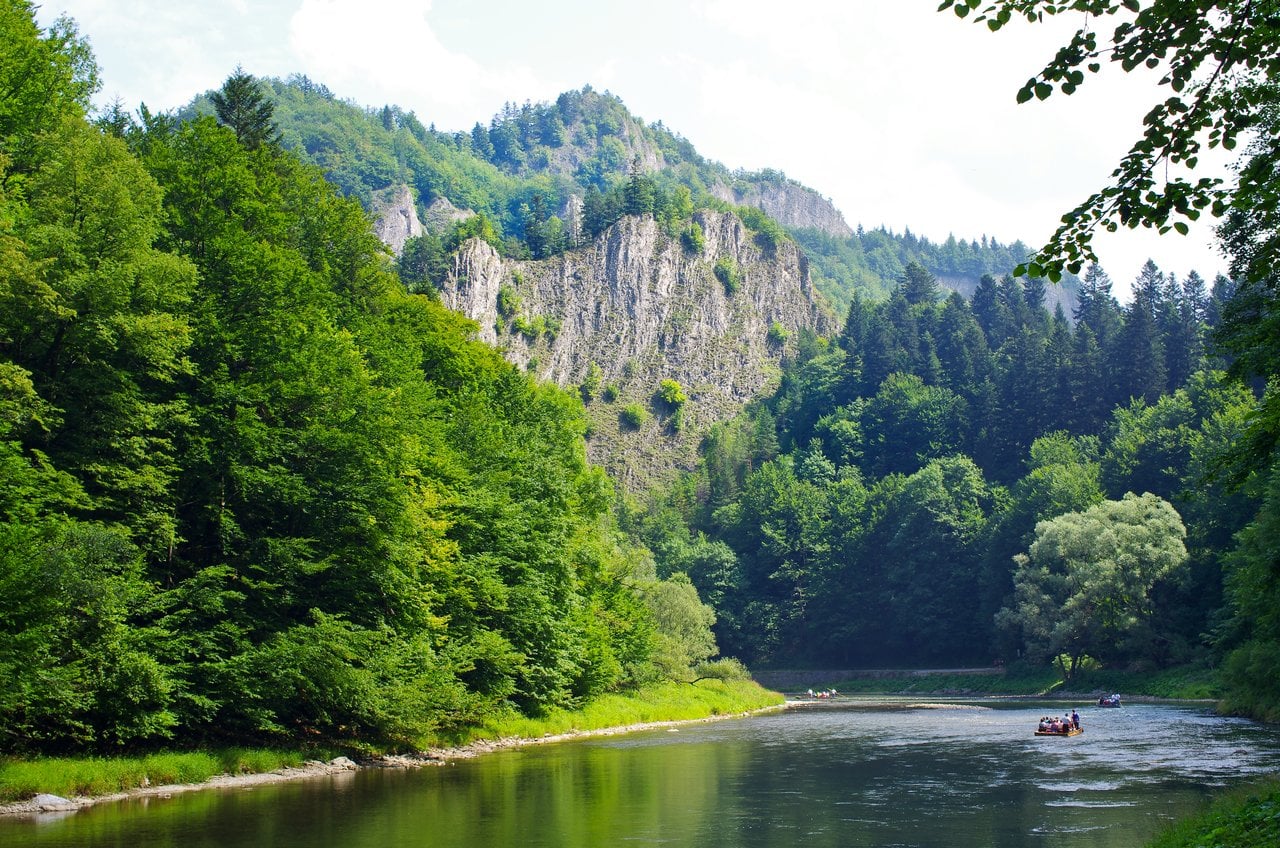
column 852, row 774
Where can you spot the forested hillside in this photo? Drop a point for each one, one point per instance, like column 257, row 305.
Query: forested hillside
column 250, row 488
column 258, row 483
column 550, row 177
column 968, row 482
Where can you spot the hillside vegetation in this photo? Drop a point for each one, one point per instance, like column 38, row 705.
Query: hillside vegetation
column 258, row 484
column 550, row 177
column 251, row 488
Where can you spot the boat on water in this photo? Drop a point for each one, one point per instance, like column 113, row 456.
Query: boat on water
column 1065, row 726
column 1109, row 700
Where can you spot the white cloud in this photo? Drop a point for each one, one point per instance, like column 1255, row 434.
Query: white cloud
column 385, row 51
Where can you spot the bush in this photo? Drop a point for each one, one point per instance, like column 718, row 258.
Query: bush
column 727, row 272
column 768, row 233
column 530, row 328
column 633, row 415
column 590, row 383
column 726, row 668
column 508, row 302
column 692, row 238
column 671, row 393
column 778, row 334
column 611, row 393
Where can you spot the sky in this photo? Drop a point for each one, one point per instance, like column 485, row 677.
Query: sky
column 905, row 117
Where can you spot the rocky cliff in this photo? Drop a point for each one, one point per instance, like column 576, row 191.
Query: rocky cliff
column 787, row 202
column 395, row 217
column 615, row 319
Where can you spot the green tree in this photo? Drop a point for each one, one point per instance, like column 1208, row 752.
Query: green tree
column 98, row 318
column 422, row 263
column 682, row 625
column 79, row 671
column 1213, row 55
column 930, row 535
column 908, row 423
column 640, row 191
column 1063, row 475
column 918, row 285
column 45, row 76
column 1252, row 669
column 242, row 106
column 1083, row 589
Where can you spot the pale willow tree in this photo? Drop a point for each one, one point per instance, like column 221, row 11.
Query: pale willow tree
column 1084, row 587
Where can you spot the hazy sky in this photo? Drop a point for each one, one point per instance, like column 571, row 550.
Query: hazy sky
column 903, row 116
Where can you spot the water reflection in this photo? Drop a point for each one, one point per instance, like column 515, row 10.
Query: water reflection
column 971, row 775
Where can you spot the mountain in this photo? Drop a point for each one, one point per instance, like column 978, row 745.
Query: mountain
column 552, row 155
column 615, row 256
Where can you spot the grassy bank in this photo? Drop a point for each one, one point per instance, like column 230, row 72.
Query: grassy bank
column 1179, row 683
column 71, row 777
column 1244, row 818
column 662, row 702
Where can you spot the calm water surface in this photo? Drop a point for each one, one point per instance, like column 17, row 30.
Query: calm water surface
column 962, row 777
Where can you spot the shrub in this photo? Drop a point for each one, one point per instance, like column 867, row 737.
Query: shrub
column 530, row 328
column 726, row 668
column 727, row 272
column 633, row 415
column 671, row 393
column 591, row 382
column 692, row 238
column 508, row 302
column 778, row 334
column 768, row 233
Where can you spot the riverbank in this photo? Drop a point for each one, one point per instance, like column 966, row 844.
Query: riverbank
column 1242, row 818
column 36, row 787
column 1179, row 684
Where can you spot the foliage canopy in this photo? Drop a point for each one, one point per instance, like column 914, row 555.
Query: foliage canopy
column 1215, row 57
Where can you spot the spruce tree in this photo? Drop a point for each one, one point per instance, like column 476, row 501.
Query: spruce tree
column 241, row 105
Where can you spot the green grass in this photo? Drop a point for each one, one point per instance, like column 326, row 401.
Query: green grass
column 1190, row 683
column 86, row 776
column 1248, row 817
column 659, row 702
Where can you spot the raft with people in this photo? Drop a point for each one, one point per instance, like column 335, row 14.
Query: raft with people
column 1070, row 731
column 1065, row 726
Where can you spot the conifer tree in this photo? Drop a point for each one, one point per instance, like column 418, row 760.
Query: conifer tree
column 241, row 105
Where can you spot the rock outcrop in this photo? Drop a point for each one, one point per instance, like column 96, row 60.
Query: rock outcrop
column 638, row 307
column 395, row 217
column 787, row 202
column 441, row 215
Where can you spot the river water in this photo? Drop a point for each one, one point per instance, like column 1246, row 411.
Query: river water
column 853, row 774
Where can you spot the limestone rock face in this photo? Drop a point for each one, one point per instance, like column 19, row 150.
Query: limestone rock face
column 789, row 203
column 441, row 215
column 637, row 307
column 395, row 217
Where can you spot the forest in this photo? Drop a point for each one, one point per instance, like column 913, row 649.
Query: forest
column 257, row 484
column 251, row 488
